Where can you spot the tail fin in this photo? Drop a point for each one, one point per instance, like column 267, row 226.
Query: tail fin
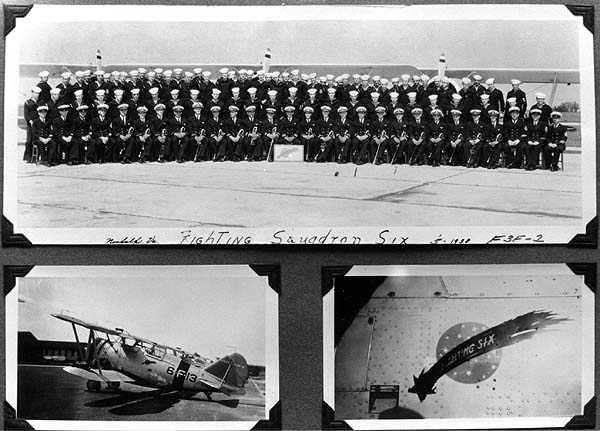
column 267, row 60
column 232, row 370
column 442, row 65
column 98, row 60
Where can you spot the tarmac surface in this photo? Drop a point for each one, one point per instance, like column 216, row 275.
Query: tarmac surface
column 263, row 195
column 46, row 392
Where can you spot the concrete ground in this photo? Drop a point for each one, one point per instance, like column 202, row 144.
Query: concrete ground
column 46, row 392
column 261, row 194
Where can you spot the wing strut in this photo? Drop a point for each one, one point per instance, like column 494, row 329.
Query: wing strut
column 78, row 344
column 554, row 85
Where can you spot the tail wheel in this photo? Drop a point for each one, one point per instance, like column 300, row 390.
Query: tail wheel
column 113, row 385
column 93, row 385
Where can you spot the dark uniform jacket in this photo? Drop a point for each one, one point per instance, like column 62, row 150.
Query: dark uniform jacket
column 288, row 127
column 41, row 129
column 514, row 130
column 101, row 127
column 536, row 132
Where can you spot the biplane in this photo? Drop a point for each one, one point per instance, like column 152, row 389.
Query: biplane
column 114, row 356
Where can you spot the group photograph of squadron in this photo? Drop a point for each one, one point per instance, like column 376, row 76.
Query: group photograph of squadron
column 157, row 115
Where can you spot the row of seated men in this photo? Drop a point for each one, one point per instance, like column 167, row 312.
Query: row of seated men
column 159, row 84
column 470, row 142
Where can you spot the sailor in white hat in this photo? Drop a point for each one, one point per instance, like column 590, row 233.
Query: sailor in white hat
column 556, row 141
column 519, row 95
column 540, row 103
column 44, row 86
column 417, row 143
column 536, row 137
column 515, row 132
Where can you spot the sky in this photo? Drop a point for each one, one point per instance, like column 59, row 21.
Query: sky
column 212, row 316
column 414, row 35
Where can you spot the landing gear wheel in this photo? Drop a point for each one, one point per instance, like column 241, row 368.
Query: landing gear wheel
column 113, row 385
column 93, row 385
column 208, row 396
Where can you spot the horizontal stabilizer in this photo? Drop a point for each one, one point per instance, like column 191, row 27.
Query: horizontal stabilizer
column 106, row 376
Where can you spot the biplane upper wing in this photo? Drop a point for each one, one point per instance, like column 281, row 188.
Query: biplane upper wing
column 503, row 76
column 104, row 376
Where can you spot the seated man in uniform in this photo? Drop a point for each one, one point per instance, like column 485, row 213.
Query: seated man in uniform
column 557, row 141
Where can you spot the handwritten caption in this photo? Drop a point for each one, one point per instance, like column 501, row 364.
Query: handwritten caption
column 329, row 237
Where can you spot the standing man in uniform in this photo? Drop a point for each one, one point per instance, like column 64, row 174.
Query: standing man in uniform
column 30, row 112
column 518, row 94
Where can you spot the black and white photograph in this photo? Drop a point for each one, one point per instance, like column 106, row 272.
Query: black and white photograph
column 459, row 347
column 147, row 347
column 310, row 124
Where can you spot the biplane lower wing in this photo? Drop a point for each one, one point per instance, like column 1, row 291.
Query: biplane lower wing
column 106, row 376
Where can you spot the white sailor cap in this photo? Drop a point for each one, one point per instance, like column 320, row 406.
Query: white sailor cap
column 123, row 74
column 515, row 81
column 424, row 78
column 364, row 77
column 251, row 90
column 194, row 91
column 215, row 91
column 514, row 109
column 511, row 100
column 540, row 96
column 555, row 114
column 65, row 75
column 250, row 108
column 174, row 91
column 417, row 111
column 535, row 111
column 374, row 94
column 188, row 74
column 466, row 80
column 99, row 73
column 475, row 111
column 115, row 73
column 412, row 95
column 153, row 90
column 44, row 74
column 384, row 81
column 437, row 112
column 325, row 108
column 142, row 70
column 395, row 80
column 159, row 106
column 308, row 109
column 142, row 109
column 376, row 78
column 393, row 95
column 456, row 112
column 292, row 90
column 416, row 78
column 134, row 73
column 345, row 75
column 79, row 74
column 285, row 74
column 233, row 108
column 250, row 72
column 312, row 91
column 353, row 93
column 329, row 77
column 167, row 73
column 235, row 90
column 323, row 78
column 477, row 77
column 64, row 107
column 380, row 109
column 177, row 70
column 268, row 74
column 272, row 93
column 177, row 108
column 437, row 78
column 304, row 77
column 490, row 81
column 313, row 75
column 275, row 74
column 159, row 70
column 123, row 106
column 102, row 106
column 196, row 105
column 342, row 108
column 338, row 79
column 87, row 72
column 361, row 109
column 118, row 92
column 100, row 92
column 42, row 108
column 206, row 73
column 289, row 108
column 38, row 90
column 151, row 74
column 135, row 91
column 242, row 71
column 260, row 72
column 215, row 108
column 432, row 97
column 231, row 73
column 270, row 110
column 197, row 70
column 78, row 92
column 456, row 96
column 398, row 111
column 484, row 96
column 356, row 76
column 445, row 79
column 405, row 77
column 493, row 112
column 52, row 91
column 331, row 90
